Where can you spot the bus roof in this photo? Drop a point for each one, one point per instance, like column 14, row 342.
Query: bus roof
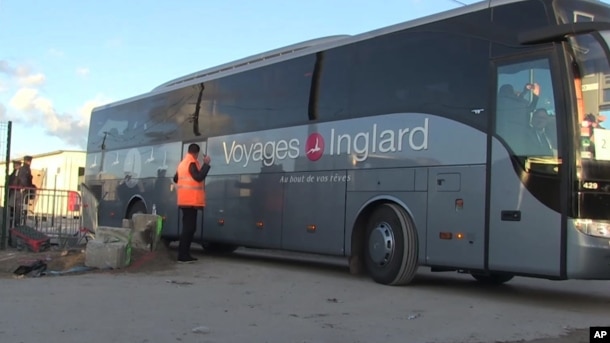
column 254, row 59
column 303, row 48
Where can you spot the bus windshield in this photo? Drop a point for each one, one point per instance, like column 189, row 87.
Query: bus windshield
column 592, row 81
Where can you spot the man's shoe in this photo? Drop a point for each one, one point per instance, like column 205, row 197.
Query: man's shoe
column 188, row 259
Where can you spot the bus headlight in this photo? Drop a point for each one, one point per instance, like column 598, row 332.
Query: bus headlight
column 596, row 228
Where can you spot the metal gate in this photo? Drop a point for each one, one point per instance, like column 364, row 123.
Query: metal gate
column 55, row 212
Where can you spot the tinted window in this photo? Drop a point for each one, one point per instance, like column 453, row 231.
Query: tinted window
column 271, row 96
column 329, row 99
column 149, row 120
column 436, row 72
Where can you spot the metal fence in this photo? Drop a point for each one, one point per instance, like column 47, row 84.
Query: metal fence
column 54, row 212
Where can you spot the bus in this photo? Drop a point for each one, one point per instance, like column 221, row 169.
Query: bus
column 404, row 147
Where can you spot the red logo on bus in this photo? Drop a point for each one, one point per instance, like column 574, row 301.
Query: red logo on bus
column 314, row 147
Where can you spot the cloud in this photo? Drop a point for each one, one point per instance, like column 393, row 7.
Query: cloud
column 21, row 74
column 23, row 100
column 21, row 71
column 5, row 68
column 28, row 106
column 32, row 79
column 39, row 110
column 82, row 71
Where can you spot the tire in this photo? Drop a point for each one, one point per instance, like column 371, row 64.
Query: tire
column 492, row 278
column 391, row 246
column 136, row 207
column 219, row 248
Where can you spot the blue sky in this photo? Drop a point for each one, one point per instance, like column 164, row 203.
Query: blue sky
column 60, row 58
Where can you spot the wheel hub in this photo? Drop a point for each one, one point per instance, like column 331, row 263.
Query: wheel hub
column 381, row 243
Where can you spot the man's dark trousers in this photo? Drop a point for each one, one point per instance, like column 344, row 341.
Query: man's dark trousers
column 189, row 226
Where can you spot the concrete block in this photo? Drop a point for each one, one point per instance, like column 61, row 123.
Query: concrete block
column 144, row 230
column 127, row 223
column 110, row 234
column 99, row 254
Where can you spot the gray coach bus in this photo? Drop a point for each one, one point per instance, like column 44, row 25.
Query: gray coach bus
column 472, row 140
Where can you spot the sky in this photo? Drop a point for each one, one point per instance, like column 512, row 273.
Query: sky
column 59, row 59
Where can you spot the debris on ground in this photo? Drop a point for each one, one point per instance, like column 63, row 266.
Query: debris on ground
column 71, row 261
column 34, row 269
column 202, row 330
column 180, row 283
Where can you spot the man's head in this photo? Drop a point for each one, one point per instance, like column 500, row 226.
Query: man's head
column 507, row 91
column 194, row 149
column 540, row 119
column 16, row 164
column 27, row 159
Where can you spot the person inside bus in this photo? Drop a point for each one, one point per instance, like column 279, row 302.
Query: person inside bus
column 539, row 142
column 511, row 100
column 513, row 114
column 190, row 190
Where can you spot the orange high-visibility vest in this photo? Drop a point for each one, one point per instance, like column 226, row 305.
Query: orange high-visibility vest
column 189, row 191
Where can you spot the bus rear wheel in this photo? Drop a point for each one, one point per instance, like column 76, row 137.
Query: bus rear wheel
column 391, row 246
column 492, row 278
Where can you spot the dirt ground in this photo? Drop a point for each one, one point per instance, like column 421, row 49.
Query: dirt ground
column 238, row 285
column 72, row 261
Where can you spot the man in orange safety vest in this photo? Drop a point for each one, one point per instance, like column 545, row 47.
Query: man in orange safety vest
column 190, row 189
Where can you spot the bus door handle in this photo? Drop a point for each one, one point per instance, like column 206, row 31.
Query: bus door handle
column 511, row 216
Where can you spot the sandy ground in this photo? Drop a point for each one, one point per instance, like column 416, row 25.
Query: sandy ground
column 72, row 261
column 253, row 296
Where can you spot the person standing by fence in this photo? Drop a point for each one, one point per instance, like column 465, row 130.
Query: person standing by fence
column 24, row 182
column 14, row 195
column 25, row 177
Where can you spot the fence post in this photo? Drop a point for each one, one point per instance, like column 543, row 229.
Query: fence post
column 5, row 211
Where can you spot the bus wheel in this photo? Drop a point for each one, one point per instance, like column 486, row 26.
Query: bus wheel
column 136, row 207
column 391, row 246
column 492, row 278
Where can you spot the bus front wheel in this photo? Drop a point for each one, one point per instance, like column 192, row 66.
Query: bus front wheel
column 391, row 246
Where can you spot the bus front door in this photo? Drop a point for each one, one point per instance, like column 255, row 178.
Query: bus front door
column 524, row 231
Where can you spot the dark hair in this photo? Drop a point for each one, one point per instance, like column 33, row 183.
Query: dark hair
column 506, row 90
column 194, row 148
